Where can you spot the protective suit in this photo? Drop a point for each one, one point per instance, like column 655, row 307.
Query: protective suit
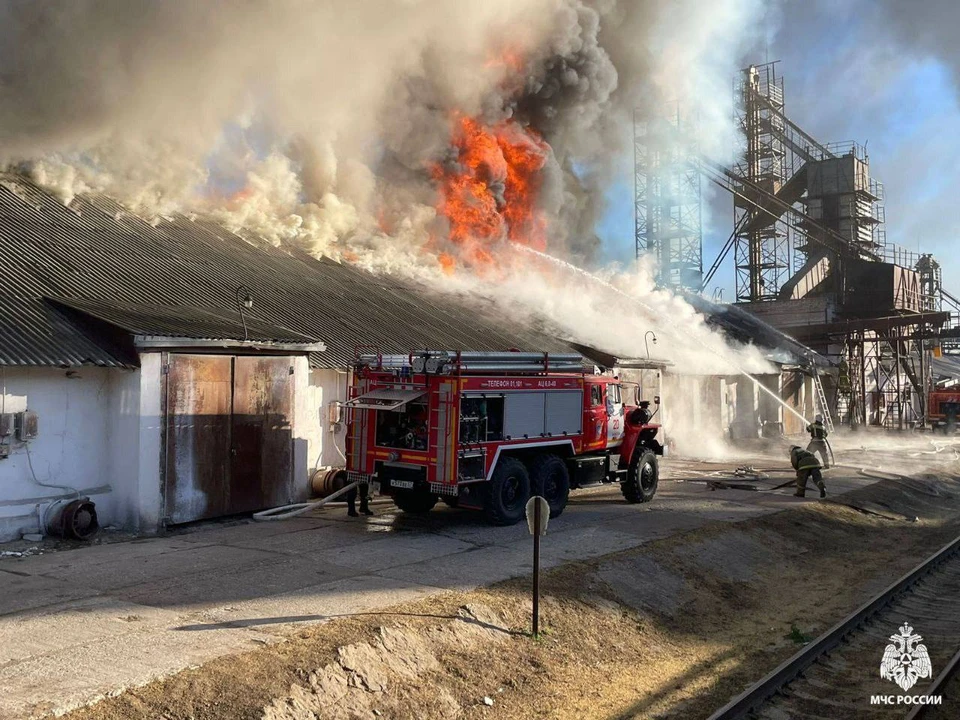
column 807, row 466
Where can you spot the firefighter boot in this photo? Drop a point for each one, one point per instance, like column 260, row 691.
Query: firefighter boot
column 823, row 490
column 352, row 503
column 365, row 506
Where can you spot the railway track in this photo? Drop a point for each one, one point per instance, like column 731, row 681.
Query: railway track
column 838, row 674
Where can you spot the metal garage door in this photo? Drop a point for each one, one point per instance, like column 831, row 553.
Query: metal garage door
column 228, row 435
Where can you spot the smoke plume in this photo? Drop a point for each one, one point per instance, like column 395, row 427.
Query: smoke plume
column 333, row 125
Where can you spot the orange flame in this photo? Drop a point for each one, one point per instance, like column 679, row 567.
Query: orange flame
column 490, row 192
column 447, row 263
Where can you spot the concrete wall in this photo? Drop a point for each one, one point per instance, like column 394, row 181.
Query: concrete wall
column 73, row 447
column 101, row 433
column 692, row 414
column 325, row 390
column 146, row 509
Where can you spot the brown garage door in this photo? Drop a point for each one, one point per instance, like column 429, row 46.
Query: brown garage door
column 228, row 435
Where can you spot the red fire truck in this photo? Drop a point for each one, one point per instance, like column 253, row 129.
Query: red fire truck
column 943, row 408
column 486, row 430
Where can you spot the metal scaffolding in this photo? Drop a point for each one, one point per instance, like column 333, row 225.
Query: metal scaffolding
column 761, row 246
column 668, row 222
column 890, row 377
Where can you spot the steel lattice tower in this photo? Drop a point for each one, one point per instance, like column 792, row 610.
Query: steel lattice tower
column 762, row 245
column 667, row 198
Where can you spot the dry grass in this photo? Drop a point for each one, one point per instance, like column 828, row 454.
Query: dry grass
column 603, row 654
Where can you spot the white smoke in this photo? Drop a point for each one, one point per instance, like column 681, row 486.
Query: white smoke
column 311, row 122
column 316, row 123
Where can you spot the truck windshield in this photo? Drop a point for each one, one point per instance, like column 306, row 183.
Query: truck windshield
column 405, row 428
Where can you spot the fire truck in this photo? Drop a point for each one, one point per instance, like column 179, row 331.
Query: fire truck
column 943, row 408
column 487, row 430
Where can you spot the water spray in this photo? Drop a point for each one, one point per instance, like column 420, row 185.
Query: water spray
column 637, row 301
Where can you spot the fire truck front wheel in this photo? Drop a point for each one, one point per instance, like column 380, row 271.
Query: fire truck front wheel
column 414, row 501
column 643, row 475
column 550, row 479
column 509, row 492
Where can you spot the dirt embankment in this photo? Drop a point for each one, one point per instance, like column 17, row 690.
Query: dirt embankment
column 672, row 629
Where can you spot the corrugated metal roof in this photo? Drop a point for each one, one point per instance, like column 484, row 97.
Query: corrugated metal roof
column 180, row 321
column 95, row 252
column 742, row 326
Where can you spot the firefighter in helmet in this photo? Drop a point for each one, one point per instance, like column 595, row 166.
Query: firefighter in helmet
column 807, row 466
column 818, row 440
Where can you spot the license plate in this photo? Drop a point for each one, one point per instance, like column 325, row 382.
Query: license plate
column 403, row 484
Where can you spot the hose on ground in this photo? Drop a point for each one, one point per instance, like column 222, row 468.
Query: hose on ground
column 285, row 512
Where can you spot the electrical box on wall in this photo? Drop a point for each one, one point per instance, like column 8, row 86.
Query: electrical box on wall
column 6, row 425
column 334, row 413
column 27, row 427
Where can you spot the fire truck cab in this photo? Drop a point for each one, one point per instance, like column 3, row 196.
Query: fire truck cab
column 943, row 409
column 487, row 430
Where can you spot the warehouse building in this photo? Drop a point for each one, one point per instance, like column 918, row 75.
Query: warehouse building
column 174, row 372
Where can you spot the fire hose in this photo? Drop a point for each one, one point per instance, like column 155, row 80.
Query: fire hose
column 285, row 512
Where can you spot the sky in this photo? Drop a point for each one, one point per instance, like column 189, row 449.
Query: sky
column 860, row 70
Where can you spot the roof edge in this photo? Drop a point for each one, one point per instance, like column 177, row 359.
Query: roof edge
column 157, row 342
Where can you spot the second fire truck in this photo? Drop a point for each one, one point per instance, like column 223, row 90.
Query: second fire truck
column 487, row 430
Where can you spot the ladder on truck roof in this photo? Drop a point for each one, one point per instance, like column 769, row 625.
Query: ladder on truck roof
column 445, row 362
column 821, row 401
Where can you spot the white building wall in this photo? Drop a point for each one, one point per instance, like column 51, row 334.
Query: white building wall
column 73, row 446
column 144, row 511
column 319, row 403
column 122, row 464
column 101, row 432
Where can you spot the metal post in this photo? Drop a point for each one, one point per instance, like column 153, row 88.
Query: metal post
column 536, row 571
column 896, row 359
column 922, row 399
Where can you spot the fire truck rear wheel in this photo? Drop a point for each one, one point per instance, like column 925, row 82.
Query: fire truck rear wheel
column 414, row 501
column 550, row 479
column 643, row 476
column 509, row 492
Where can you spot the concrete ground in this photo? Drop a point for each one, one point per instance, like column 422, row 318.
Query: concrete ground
column 80, row 624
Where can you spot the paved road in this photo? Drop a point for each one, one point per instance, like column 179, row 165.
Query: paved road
column 78, row 624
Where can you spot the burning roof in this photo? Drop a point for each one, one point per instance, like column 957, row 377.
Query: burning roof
column 179, row 276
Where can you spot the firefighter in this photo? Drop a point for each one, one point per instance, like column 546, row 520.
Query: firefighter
column 364, row 492
column 807, row 466
column 818, row 440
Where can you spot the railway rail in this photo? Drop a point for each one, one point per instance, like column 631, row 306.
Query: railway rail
column 838, row 674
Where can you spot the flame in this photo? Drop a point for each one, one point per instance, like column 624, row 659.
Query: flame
column 447, row 263
column 489, row 192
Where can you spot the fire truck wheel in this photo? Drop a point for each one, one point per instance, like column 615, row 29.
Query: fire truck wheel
column 550, row 479
column 642, row 477
column 414, row 501
column 509, row 492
